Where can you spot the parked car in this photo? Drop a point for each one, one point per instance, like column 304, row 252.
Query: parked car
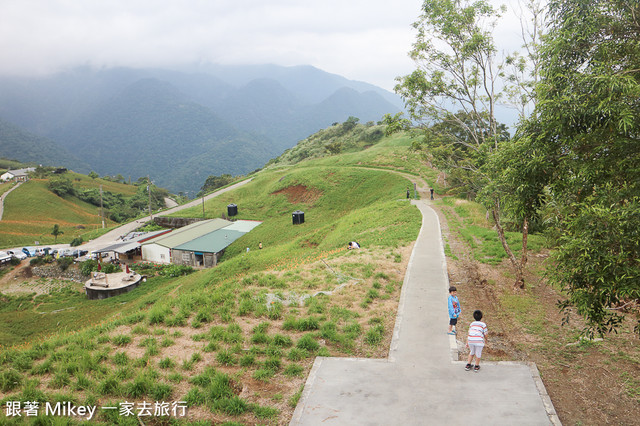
column 29, row 251
column 65, row 252
column 4, row 257
column 17, row 254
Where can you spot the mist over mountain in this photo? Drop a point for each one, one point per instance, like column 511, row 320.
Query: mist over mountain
column 178, row 126
column 16, row 143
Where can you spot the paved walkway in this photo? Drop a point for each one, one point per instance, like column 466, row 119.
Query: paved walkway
column 422, row 383
column 3, row 196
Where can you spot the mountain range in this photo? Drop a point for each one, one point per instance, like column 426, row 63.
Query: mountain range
column 177, row 126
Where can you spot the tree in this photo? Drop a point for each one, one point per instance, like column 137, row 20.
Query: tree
column 214, row 182
column 586, row 128
column 458, row 70
column 93, row 175
column 395, row 123
column 56, row 231
column 61, row 186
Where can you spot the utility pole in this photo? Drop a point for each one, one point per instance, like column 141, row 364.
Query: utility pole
column 101, row 209
column 149, row 191
column 203, row 206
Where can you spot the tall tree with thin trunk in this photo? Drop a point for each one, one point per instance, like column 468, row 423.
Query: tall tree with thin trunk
column 56, row 231
column 458, row 69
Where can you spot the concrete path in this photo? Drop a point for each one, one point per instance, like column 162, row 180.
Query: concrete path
column 3, row 196
column 422, row 383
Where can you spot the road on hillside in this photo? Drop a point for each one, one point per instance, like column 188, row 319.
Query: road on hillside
column 114, row 235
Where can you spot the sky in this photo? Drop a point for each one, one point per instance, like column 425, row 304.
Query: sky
column 366, row 40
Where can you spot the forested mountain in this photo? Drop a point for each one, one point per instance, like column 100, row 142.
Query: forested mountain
column 20, row 144
column 179, row 126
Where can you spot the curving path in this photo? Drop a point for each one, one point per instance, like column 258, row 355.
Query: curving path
column 422, row 382
column 3, row 196
column 113, row 235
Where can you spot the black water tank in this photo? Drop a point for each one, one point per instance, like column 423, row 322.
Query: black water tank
column 298, row 217
column 232, row 210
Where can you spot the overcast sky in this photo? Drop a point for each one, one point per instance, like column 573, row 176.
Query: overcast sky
column 365, row 40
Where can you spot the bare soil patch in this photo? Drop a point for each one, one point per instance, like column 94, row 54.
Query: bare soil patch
column 300, row 194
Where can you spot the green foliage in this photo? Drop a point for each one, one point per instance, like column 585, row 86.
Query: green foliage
column 56, row 231
column 395, row 123
column 339, row 138
column 76, row 242
column 61, row 186
column 64, row 262
column 214, row 182
column 584, row 137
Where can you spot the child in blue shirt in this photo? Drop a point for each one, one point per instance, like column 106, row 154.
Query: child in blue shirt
column 454, row 309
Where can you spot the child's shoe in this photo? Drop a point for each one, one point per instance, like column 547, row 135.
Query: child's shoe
column 476, row 368
column 467, row 367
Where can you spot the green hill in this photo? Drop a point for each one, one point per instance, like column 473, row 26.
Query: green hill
column 31, row 210
column 250, row 322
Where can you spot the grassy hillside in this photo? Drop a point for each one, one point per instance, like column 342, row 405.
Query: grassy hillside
column 237, row 342
column 249, row 323
column 31, row 210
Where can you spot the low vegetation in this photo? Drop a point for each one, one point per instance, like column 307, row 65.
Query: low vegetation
column 256, row 321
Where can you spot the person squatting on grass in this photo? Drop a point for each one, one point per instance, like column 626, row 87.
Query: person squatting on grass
column 454, row 309
column 476, row 340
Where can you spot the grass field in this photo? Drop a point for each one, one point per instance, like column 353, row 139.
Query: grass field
column 252, row 320
column 31, row 210
column 237, row 342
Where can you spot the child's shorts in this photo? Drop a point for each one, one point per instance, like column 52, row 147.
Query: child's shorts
column 475, row 349
column 453, row 321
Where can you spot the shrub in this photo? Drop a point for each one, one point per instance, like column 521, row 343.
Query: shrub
column 296, row 354
column 161, row 392
column 88, row 266
column 166, row 363
column 293, row 370
column 121, row 340
column 194, row 397
column 64, row 262
column 282, row 341
column 36, row 261
column 225, row 357
column 308, row 342
column 10, row 380
column 76, row 242
column 247, row 360
column 233, row 406
column 374, row 335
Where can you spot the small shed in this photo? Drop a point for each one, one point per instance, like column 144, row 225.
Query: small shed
column 158, row 250
column 207, row 249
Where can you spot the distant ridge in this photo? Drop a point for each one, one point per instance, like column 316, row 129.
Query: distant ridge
column 179, row 126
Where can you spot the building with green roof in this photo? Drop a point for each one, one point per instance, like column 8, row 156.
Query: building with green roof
column 200, row 244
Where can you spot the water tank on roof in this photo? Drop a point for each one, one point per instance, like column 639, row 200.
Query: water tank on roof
column 298, row 217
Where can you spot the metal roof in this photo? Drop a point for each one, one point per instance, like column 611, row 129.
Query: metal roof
column 212, row 242
column 243, row 225
column 188, row 233
column 131, row 244
column 216, row 241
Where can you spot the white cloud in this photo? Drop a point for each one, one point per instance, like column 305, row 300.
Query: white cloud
column 360, row 39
